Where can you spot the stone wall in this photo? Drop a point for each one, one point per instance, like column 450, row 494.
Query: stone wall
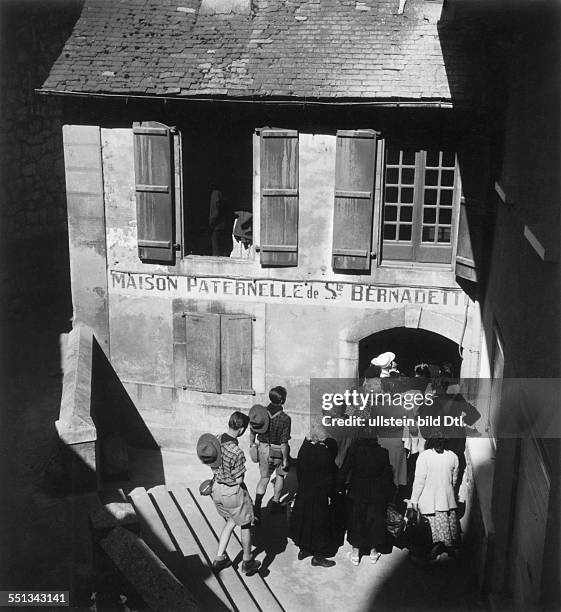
column 33, row 228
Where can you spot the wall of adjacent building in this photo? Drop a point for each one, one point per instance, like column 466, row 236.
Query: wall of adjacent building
column 33, row 215
column 523, row 305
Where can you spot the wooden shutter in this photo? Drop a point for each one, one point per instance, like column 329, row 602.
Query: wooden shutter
column 354, row 189
column 237, row 345
column 202, row 333
column 279, row 197
column 155, row 192
column 470, row 239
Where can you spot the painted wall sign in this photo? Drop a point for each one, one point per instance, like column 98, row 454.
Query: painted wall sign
column 283, row 291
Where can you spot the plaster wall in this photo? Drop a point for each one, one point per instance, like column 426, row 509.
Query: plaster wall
column 292, row 342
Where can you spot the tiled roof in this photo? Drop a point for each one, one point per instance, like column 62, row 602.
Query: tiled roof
column 285, row 48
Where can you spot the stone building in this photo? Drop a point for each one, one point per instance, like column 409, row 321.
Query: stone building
column 33, row 224
column 263, row 193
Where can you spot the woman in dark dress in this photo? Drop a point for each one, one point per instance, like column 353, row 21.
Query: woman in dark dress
column 310, row 522
column 366, row 473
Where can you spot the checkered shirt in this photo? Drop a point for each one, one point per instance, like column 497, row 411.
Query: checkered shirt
column 233, row 461
column 279, row 429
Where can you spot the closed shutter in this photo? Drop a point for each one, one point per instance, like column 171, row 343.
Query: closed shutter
column 155, row 192
column 354, row 190
column 279, row 197
column 470, row 239
column 202, row 333
column 237, row 344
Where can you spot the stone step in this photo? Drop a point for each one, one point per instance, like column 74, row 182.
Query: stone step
column 201, row 580
column 257, row 585
column 152, row 527
column 146, row 573
column 230, row 578
column 189, row 571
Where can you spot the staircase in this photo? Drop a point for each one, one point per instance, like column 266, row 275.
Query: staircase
column 182, row 528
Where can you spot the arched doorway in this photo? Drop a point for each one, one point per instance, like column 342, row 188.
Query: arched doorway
column 449, row 332
column 411, row 346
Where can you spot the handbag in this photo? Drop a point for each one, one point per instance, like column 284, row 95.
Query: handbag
column 418, row 534
column 275, row 452
column 395, row 522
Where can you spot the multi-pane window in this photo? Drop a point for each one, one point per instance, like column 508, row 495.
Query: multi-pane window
column 420, row 204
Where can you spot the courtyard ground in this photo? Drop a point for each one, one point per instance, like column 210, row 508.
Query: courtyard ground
column 45, row 540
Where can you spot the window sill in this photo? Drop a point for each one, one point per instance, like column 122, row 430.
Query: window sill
column 214, row 258
column 416, row 265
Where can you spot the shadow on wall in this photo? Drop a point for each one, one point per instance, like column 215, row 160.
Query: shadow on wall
column 98, row 422
column 475, row 93
column 118, row 423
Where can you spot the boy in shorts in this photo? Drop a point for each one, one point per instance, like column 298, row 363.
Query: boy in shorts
column 273, row 450
column 229, row 493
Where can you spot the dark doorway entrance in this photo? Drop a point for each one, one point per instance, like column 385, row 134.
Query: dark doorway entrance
column 411, row 346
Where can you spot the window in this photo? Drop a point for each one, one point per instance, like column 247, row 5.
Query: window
column 421, row 198
column 219, row 352
column 217, row 170
column 213, row 173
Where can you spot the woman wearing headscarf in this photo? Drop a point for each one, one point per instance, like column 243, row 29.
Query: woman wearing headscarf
column 433, row 493
column 367, row 476
column 310, row 522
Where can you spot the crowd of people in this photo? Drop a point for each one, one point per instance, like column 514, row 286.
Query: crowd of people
column 380, row 486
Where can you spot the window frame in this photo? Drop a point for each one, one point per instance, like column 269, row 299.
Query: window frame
column 181, row 238
column 416, row 253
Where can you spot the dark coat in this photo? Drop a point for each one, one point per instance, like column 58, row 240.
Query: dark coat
column 367, row 475
column 310, row 522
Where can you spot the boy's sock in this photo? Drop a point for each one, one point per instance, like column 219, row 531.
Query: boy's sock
column 257, row 506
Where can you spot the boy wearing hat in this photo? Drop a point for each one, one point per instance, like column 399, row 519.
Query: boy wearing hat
column 273, row 433
column 229, row 493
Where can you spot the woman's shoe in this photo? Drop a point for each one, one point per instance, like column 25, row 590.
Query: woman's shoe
column 322, row 562
column 303, row 554
column 355, row 560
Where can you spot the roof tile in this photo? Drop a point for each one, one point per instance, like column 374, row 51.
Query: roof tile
column 320, row 48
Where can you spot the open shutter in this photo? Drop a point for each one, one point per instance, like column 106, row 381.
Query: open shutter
column 202, row 333
column 470, row 239
column 354, row 191
column 237, row 345
column 279, row 197
column 155, row 193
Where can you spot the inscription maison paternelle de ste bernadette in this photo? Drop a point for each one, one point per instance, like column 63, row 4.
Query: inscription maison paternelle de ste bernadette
column 286, row 291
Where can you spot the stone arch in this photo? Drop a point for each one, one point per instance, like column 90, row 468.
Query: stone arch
column 451, row 326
